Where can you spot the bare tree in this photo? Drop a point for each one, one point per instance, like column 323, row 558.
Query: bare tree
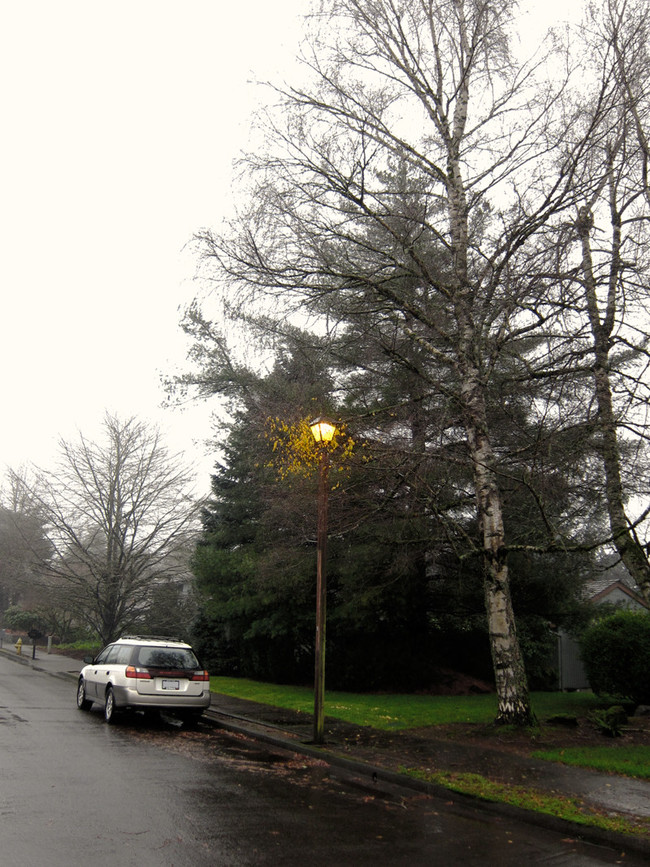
column 625, row 32
column 23, row 544
column 409, row 181
column 119, row 517
column 20, row 537
column 612, row 231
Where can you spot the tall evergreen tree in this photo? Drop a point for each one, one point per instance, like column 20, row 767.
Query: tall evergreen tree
column 403, row 577
column 403, row 205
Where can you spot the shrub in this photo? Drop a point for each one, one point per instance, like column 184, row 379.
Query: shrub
column 616, row 656
column 610, row 721
column 16, row 617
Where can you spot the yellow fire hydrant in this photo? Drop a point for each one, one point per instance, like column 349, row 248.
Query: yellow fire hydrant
column 19, row 646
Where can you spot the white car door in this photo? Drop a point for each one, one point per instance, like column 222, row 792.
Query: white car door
column 102, row 669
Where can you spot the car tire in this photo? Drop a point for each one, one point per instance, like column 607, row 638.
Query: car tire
column 82, row 702
column 109, row 706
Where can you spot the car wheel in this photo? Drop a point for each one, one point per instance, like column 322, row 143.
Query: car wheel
column 82, row 702
column 109, row 706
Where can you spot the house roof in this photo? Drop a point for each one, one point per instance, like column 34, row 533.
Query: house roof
column 602, row 594
column 614, row 577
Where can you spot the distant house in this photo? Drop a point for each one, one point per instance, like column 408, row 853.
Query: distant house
column 618, row 593
column 615, row 588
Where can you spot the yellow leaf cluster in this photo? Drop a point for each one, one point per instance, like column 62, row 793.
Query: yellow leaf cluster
column 296, row 453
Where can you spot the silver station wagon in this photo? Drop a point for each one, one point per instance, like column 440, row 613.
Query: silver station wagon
column 145, row 673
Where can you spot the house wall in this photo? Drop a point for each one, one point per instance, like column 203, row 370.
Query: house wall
column 571, row 672
column 618, row 597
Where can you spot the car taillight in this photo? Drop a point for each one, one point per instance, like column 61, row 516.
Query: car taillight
column 200, row 675
column 138, row 673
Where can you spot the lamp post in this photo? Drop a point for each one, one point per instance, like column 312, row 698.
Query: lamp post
column 323, row 431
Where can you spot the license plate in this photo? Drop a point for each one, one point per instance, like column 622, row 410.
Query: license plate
column 171, row 684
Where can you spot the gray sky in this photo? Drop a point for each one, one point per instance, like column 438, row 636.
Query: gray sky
column 120, row 124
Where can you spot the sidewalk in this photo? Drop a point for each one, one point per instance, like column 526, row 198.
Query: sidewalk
column 380, row 756
column 52, row 663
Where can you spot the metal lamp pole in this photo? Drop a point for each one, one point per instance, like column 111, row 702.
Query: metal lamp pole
column 323, row 431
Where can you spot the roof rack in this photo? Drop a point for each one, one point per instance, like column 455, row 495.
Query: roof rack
column 151, row 638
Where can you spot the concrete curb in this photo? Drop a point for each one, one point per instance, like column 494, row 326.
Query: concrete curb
column 461, row 803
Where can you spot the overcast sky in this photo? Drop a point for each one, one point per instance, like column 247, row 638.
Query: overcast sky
column 120, row 123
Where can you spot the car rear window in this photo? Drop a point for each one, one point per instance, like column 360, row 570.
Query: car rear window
column 167, row 657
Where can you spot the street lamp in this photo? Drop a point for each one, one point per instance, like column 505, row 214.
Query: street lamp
column 323, row 431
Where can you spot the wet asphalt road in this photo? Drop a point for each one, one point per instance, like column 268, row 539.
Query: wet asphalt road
column 74, row 791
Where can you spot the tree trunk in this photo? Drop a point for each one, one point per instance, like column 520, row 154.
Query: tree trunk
column 627, row 544
column 507, row 661
column 509, row 671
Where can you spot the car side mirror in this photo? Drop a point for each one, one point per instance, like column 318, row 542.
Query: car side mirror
column 88, row 659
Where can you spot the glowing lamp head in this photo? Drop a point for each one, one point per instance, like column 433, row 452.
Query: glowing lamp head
column 322, row 429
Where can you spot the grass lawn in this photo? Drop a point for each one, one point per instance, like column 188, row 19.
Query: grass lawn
column 392, row 712
column 625, row 760
column 562, row 806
